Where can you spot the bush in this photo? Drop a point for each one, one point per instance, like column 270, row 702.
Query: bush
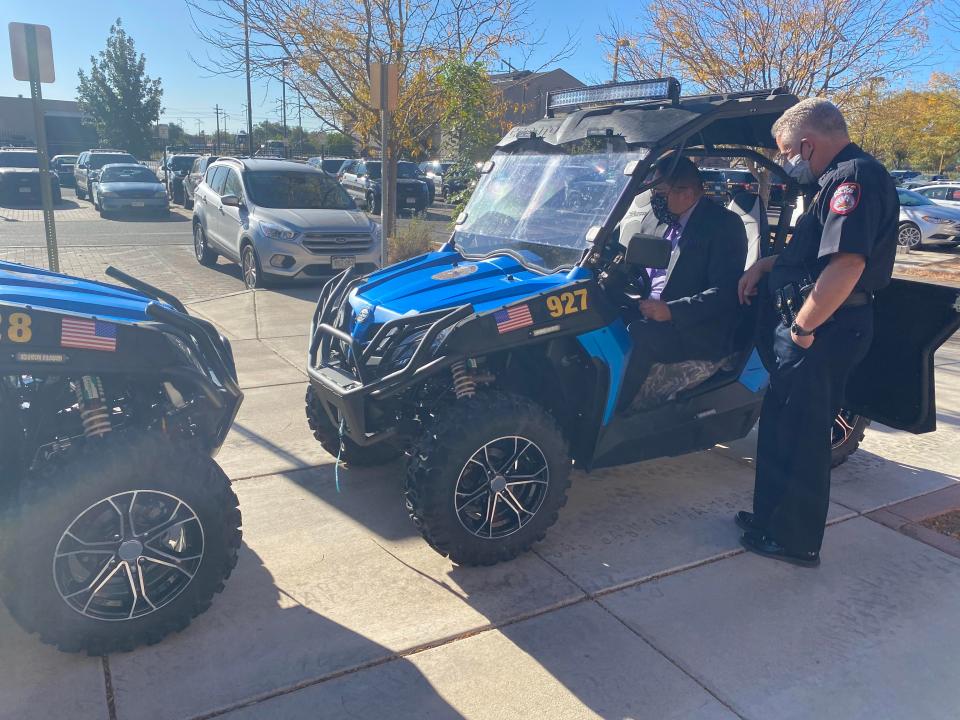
column 413, row 238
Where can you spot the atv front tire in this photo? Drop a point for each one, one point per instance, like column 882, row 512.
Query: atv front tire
column 329, row 438
column 487, row 478
column 140, row 532
column 846, row 435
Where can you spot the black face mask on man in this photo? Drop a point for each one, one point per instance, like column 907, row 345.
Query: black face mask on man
column 661, row 209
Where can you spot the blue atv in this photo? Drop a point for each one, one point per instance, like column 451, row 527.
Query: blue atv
column 116, row 525
column 496, row 363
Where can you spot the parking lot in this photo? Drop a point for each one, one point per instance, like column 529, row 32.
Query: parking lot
column 640, row 602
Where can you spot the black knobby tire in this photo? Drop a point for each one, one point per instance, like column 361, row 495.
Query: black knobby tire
column 201, row 248
column 74, row 492
column 329, row 438
column 438, row 467
column 846, row 435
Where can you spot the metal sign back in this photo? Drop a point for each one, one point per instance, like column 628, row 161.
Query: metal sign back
column 384, row 86
column 18, row 52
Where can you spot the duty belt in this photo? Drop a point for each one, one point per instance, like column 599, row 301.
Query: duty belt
column 790, row 298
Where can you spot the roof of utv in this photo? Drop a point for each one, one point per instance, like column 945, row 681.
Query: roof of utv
column 709, row 120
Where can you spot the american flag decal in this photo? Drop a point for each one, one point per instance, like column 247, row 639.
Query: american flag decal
column 513, row 318
column 88, row 335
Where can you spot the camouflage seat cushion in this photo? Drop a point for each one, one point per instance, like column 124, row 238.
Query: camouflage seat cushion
column 666, row 380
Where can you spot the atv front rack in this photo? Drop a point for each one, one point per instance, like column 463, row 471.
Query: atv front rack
column 346, row 371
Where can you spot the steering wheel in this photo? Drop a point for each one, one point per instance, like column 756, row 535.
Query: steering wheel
column 638, row 282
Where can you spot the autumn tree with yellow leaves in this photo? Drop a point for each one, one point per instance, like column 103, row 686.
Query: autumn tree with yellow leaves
column 325, row 49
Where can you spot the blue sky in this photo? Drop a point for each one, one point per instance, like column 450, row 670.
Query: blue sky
column 163, row 32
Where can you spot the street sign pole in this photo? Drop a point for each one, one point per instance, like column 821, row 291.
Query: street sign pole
column 384, row 84
column 46, row 194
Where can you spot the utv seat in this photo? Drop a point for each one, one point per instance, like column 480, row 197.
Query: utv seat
column 666, row 380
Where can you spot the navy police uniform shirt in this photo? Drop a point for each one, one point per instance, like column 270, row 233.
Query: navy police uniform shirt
column 856, row 210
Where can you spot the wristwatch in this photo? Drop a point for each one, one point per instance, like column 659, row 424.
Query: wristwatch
column 799, row 331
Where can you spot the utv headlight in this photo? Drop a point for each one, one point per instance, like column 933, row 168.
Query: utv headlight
column 277, row 232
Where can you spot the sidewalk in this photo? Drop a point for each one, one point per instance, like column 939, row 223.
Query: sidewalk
column 639, row 604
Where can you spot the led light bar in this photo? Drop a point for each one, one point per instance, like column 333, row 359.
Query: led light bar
column 658, row 89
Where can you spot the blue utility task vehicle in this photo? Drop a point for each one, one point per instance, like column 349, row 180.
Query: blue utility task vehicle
column 496, row 363
column 116, row 525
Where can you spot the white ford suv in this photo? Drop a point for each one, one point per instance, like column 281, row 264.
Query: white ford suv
column 280, row 219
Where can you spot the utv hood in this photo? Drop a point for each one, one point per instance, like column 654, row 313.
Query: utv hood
column 446, row 279
column 45, row 290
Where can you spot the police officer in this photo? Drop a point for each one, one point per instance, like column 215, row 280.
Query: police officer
column 822, row 286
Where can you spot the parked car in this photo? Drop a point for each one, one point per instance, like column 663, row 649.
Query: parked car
column 20, row 177
column 922, row 180
column 435, row 170
column 947, row 194
column 715, row 185
column 924, row 221
column 330, row 165
column 740, row 180
column 89, row 164
column 128, row 186
column 195, row 177
column 361, row 179
column 175, row 169
column 901, row 176
column 280, row 219
column 431, row 184
column 63, row 166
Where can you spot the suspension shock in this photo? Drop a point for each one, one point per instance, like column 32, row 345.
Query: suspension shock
column 464, row 384
column 94, row 412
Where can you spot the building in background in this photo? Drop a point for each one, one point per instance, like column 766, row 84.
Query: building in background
column 525, row 92
column 66, row 133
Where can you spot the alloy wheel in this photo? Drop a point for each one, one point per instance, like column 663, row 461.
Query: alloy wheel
column 909, row 236
column 199, row 242
column 501, row 487
column 128, row 555
column 249, row 268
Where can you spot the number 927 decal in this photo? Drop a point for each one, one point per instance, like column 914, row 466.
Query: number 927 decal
column 16, row 328
column 567, row 303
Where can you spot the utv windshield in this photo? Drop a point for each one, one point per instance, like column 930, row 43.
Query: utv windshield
column 541, row 203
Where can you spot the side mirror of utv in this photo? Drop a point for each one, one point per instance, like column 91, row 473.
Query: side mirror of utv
column 648, row 251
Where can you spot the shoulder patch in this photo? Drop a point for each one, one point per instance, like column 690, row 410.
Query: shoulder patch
column 845, row 198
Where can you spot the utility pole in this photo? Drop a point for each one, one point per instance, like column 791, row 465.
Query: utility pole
column 216, row 143
column 299, row 125
column 384, row 84
column 246, row 55
column 283, row 85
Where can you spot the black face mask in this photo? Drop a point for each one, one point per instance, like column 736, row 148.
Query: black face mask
column 661, row 210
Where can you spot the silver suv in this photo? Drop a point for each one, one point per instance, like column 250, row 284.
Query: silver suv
column 280, row 219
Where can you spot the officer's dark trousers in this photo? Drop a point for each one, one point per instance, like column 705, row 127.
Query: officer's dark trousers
column 657, row 342
column 792, row 488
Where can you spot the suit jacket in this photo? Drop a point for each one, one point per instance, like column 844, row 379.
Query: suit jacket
column 701, row 288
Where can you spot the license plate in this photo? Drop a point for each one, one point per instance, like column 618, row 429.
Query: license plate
column 24, row 189
column 411, row 201
column 137, row 203
column 343, row 262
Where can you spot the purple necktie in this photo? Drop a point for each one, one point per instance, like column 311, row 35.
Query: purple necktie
column 658, row 276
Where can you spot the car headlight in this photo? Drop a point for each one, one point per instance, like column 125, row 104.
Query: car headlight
column 277, row 232
column 939, row 220
column 375, row 232
column 107, row 193
column 160, row 194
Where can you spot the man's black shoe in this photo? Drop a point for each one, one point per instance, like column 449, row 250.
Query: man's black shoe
column 762, row 545
column 747, row 522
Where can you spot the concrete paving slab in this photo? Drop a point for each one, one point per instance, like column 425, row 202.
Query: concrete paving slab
column 271, row 434
column 949, row 352
column 930, row 505
column 623, row 524
column 576, row 663
column 287, row 311
column 259, row 366
column 317, row 591
column 234, row 314
column 293, row 349
column 37, row 681
column 872, row 633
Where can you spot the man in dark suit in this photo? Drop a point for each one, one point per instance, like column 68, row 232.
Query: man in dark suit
column 692, row 309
